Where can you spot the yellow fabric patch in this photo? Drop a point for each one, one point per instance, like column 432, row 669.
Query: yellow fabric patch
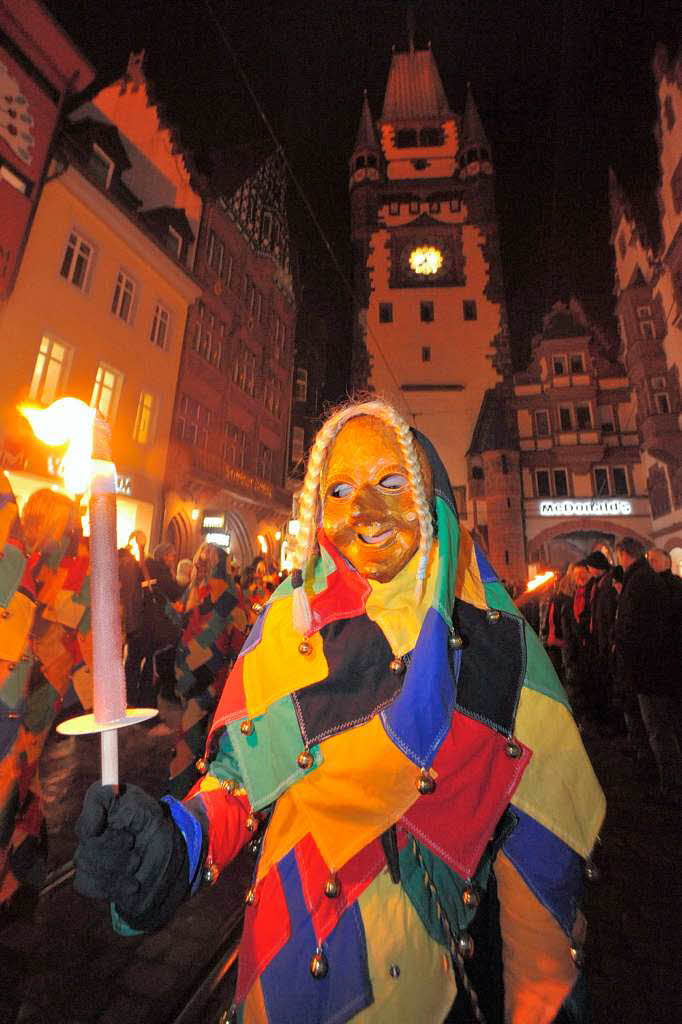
column 55, row 658
column 425, row 988
column 468, row 585
column 50, row 583
column 65, row 609
column 343, row 809
column 559, row 788
column 538, row 969
column 15, row 625
column 275, row 666
column 254, row 1006
column 84, row 687
column 391, row 605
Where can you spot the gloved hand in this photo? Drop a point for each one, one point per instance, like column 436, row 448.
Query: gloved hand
column 131, row 853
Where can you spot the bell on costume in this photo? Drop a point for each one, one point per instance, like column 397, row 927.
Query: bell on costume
column 455, row 641
column 319, row 965
column 305, row 648
column 465, row 945
column 304, row 760
column 211, row 873
column 470, row 897
column 201, row 765
column 425, row 783
column 397, row 666
column 332, row 887
column 246, row 728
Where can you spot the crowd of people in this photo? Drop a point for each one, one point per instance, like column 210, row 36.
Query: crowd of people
column 614, row 635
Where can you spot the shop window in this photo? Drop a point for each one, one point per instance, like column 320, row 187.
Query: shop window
column 542, row 423
column 159, row 334
column 542, row 484
column 77, row 261
column 124, row 296
column 426, row 313
column 385, row 312
column 583, row 417
column 106, row 391
column 560, row 483
column 142, row 431
column 469, row 310
column 565, row 417
column 50, row 370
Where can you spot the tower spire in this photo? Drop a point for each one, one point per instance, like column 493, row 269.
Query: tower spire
column 410, row 27
column 366, row 137
column 473, row 132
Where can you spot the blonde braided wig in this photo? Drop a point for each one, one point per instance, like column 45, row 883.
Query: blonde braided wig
column 310, row 498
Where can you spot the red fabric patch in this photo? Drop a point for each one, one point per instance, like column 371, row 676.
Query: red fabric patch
column 76, row 571
column 232, row 703
column 476, row 780
column 345, row 594
column 354, row 877
column 227, row 815
column 267, row 929
column 27, row 582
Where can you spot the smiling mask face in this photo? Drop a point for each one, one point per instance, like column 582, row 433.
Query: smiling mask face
column 368, row 510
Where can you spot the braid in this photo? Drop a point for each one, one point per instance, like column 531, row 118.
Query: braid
column 309, row 499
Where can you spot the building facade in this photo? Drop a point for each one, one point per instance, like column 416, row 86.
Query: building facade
column 109, row 257
column 648, row 286
column 227, row 469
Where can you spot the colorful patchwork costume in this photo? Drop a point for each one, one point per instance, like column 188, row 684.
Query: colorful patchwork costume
column 425, row 800
column 45, row 654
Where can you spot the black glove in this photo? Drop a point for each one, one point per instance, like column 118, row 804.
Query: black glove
column 131, row 853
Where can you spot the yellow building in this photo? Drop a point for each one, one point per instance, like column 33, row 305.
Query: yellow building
column 100, row 304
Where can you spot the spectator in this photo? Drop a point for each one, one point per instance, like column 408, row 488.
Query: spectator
column 646, row 651
column 138, row 653
column 560, row 605
column 597, row 681
column 184, row 572
column 161, row 569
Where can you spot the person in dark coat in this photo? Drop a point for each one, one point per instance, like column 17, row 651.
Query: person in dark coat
column 131, row 579
column 163, row 626
column 597, row 681
column 645, row 648
column 161, row 572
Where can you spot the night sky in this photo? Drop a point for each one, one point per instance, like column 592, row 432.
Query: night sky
column 564, row 90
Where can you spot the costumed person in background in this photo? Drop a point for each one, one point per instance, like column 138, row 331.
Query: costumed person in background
column 204, row 654
column 45, row 663
column 397, row 732
column 138, row 663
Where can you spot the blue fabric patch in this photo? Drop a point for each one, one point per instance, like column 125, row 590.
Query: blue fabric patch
column 255, row 634
column 193, row 836
column 291, row 993
column 488, row 574
column 418, row 719
column 550, row 868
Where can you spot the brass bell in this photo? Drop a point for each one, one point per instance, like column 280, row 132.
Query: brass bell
column 591, row 871
column 577, row 955
column 229, row 785
column 394, row 971
column 396, row 666
column 465, row 945
column 470, row 897
column 304, row 760
column 319, row 965
column 211, row 873
column 257, row 607
column 201, row 765
column 332, row 887
column 513, row 749
column 251, row 823
column 250, row 898
column 305, row 648
column 455, row 641
column 425, row 783
column 493, row 615
column 246, row 728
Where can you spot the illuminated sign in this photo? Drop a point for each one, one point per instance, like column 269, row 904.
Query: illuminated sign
column 213, row 522
column 591, row 507
column 248, row 482
column 221, row 539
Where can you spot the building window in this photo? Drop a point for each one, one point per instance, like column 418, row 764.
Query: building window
column 434, row 206
column 583, row 417
column 542, row 483
column 620, row 481
column 50, row 370
column 646, row 329
column 560, row 483
column 414, row 206
column 159, row 334
column 601, row 482
column 244, row 371
column 469, row 309
column 426, row 313
column 234, row 446
column 385, row 312
column 565, row 417
column 504, row 464
column 455, row 204
column 559, row 365
column 143, row 420
column 606, row 421
column 542, row 423
column 100, row 167
column 193, row 422
column 662, row 403
column 431, row 137
column 394, row 208
column 106, row 391
column 229, row 268
column 405, row 138
column 216, row 253
column 426, row 353
column 77, row 261
column 272, row 395
column 124, row 293
column 300, row 385
column 577, row 363
column 297, row 445
column 264, row 470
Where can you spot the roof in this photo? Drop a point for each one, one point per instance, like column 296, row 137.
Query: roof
column 473, row 132
column 414, row 91
column 495, row 428
column 366, row 137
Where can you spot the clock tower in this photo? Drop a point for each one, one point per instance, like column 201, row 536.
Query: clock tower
column 431, row 326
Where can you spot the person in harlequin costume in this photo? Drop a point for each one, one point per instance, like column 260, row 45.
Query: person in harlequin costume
column 398, row 736
column 45, row 660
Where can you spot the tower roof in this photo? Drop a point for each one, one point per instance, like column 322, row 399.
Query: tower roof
column 366, row 137
column 495, row 428
column 473, row 132
column 414, row 90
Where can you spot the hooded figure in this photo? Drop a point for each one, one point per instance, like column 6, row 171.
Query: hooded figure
column 397, row 734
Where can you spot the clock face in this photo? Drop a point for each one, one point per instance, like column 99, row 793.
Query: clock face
column 425, row 260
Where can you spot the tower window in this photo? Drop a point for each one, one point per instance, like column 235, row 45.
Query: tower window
column 426, row 353
column 477, row 473
column 431, row 137
column 455, row 204
column 414, row 206
column 394, row 208
column 371, row 160
column 385, row 312
column 504, row 464
column 485, row 155
column 469, row 310
column 360, row 162
column 426, row 313
column 434, row 206
column 405, row 138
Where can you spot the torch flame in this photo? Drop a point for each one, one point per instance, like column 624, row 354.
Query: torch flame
column 537, row 581
column 67, row 421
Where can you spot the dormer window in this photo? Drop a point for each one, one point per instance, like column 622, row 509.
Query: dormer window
column 406, row 138
column 431, row 137
column 100, row 166
column 174, row 242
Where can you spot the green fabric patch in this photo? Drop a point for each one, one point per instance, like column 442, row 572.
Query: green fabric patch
column 449, row 887
column 225, row 764
column 448, row 544
column 12, row 566
column 540, row 674
column 15, row 683
column 267, row 758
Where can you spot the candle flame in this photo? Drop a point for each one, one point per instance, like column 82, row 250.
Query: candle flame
column 537, row 581
column 134, row 548
column 67, row 421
